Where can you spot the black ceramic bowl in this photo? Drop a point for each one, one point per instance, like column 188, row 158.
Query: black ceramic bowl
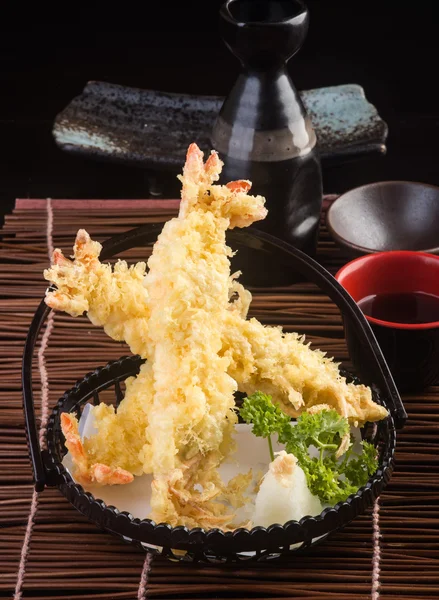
column 213, row 545
column 387, row 215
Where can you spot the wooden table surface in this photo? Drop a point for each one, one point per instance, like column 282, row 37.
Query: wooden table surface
column 49, row 550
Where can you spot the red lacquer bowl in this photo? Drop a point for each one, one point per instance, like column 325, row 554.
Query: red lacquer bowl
column 411, row 349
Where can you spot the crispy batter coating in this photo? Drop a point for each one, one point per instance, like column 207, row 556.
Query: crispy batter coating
column 114, row 298
column 284, row 366
column 177, row 418
column 86, row 472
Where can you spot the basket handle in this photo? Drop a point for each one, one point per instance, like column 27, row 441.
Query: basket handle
column 147, row 234
column 40, row 473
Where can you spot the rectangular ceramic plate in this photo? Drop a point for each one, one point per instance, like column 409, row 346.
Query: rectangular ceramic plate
column 154, row 129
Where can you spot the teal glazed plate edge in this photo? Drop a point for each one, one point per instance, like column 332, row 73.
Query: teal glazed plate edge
column 153, row 129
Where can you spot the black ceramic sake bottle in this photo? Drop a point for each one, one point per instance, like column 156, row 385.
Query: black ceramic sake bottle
column 263, row 133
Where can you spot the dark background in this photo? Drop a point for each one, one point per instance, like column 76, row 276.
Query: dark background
column 388, row 47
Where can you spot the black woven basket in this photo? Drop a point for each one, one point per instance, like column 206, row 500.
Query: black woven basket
column 198, row 544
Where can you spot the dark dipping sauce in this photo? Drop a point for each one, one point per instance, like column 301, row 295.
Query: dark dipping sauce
column 408, row 308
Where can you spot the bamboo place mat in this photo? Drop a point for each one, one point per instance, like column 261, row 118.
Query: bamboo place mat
column 48, row 550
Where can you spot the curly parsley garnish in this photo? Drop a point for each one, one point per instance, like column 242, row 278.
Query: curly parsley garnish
column 330, row 478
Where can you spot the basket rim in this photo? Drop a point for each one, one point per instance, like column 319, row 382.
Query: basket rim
column 204, row 536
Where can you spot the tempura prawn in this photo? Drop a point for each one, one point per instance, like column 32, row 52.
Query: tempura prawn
column 183, row 399
column 178, row 415
column 113, row 298
column 86, row 472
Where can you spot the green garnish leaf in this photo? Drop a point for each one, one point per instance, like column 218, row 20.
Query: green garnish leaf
column 324, row 429
column 266, row 417
column 358, row 470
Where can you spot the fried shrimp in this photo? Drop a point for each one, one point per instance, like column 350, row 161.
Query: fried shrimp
column 84, row 471
column 114, row 299
column 176, row 420
column 191, row 415
column 284, row 366
column 188, row 317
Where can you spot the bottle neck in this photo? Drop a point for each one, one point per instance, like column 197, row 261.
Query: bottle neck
column 263, row 119
column 263, row 100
